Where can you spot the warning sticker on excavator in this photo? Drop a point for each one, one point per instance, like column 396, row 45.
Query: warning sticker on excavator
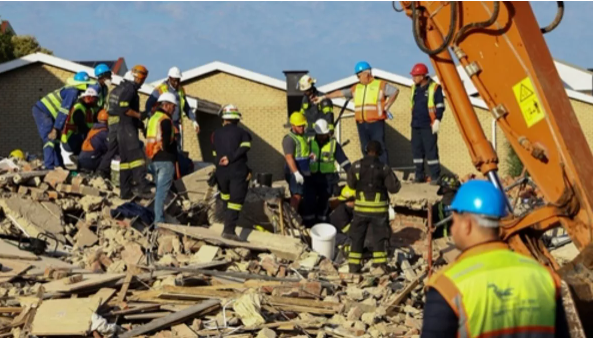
column 528, row 102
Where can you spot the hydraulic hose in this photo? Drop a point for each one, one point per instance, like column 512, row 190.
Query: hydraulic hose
column 398, row 10
column 476, row 25
column 417, row 33
column 557, row 19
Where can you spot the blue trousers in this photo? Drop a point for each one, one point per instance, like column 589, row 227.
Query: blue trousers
column 163, row 174
column 424, row 144
column 51, row 149
column 373, row 131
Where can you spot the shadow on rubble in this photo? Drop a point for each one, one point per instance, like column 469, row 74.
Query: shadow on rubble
column 262, row 158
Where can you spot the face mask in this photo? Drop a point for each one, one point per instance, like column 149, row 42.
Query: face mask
column 107, row 82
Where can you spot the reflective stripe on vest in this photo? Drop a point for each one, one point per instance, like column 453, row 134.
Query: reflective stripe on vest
column 88, row 145
column 325, row 157
column 154, row 134
column 164, row 88
column 53, row 100
column 431, row 106
column 302, row 149
column 497, row 292
column 369, row 101
column 70, row 127
column 375, row 206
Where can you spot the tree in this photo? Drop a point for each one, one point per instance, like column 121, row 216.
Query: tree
column 515, row 166
column 6, row 48
column 25, row 45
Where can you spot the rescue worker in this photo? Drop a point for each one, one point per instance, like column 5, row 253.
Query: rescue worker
column 370, row 181
column 341, row 218
column 427, row 107
column 161, row 148
column 449, row 185
column 232, row 144
column 372, row 99
column 78, row 124
column 490, row 291
column 325, row 150
column 312, row 111
column 95, row 145
column 297, row 161
column 124, row 108
column 51, row 112
column 104, row 79
column 112, row 124
column 172, row 85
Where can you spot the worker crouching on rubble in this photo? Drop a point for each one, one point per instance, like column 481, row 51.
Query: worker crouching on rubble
column 79, row 122
column 232, row 144
column 490, row 291
column 95, row 145
column 161, row 149
column 370, row 181
column 297, row 162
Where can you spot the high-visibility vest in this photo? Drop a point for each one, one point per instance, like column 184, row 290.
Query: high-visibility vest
column 431, row 105
column 369, row 101
column 88, row 145
column 101, row 98
column 325, row 157
column 497, row 292
column 53, row 100
column 164, row 88
column 302, row 152
column 70, row 127
column 155, row 135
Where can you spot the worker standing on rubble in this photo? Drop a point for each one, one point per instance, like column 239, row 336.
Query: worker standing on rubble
column 51, row 112
column 325, row 151
column 427, row 107
column 232, row 144
column 78, row 124
column 104, row 79
column 172, row 85
column 370, row 181
column 490, row 290
column 297, row 161
column 373, row 99
column 314, row 112
column 449, row 185
column 161, row 148
column 95, row 145
column 124, row 111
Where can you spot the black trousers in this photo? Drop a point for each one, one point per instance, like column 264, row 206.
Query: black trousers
column 424, row 144
column 112, row 149
column 233, row 188
column 132, row 159
column 379, row 226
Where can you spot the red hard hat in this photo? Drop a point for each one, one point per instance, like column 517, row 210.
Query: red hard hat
column 419, row 69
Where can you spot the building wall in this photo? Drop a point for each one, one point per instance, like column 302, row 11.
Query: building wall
column 264, row 111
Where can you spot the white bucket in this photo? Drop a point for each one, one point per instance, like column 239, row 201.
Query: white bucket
column 323, row 239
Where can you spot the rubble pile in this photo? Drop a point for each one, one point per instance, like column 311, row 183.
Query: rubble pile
column 73, row 265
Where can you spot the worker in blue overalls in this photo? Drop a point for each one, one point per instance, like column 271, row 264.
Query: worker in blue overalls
column 51, row 112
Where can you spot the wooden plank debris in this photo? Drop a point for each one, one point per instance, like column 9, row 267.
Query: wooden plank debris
column 65, row 317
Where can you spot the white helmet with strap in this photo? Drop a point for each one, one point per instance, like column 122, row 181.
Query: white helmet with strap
column 168, row 97
column 306, row 82
column 230, row 112
column 321, row 127
column 89, row 92
column 174, row 72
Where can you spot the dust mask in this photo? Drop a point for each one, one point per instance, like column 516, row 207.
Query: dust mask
column 107, row 82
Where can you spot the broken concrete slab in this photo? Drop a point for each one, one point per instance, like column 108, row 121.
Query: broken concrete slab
column 33, row 218
column 56, row 176
column 195, row 186
column 65, row 317
column 205, row 254
column 85, row 237
column 415, row 196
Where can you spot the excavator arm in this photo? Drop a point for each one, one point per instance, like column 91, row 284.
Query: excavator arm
column 502, row 49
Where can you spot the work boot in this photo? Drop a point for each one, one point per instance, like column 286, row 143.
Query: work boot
column 355, row 268
column 74, row 159
column 419, row 180
column 232, row 237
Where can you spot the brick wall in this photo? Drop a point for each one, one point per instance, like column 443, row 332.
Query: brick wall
column 264, row 114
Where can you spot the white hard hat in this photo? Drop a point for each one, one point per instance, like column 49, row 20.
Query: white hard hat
column 230, row 112
column 175, row 73
column 306, row 82
column 321, row 127
column 128, row 76
column 168, row 97
column 89, row 92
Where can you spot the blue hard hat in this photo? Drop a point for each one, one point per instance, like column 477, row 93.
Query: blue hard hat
column 81, row 77
column 480, row 197
column 361, row 66
column 101, row 69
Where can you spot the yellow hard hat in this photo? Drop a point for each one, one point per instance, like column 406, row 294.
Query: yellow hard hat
column 297, row 119
column 347, row 194
column 17, row 153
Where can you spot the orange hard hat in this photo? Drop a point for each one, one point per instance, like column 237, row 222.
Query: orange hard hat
column 102, row 116
column 419, row 69
column 140, row 71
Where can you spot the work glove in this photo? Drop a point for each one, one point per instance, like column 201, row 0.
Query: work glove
column 298, row 178
column 318, row 99
column 435, row 126
column 196, row 127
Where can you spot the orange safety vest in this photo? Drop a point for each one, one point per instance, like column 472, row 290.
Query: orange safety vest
column 87, row 145
column 369, row 101
column 154, row 134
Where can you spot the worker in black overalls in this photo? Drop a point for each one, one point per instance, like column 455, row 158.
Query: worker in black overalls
column 315, row 111
column 231, row 145
column 124, row 105
column 449, row 185
column 370, row 181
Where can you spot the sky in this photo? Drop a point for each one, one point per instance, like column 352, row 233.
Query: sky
column 326, row 38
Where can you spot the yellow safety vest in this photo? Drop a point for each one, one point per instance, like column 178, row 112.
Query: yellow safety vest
column 70, row 127
column 302, row 153
column 369, row 101
column 325, row 157
column 155, row 135
column 497, row 292
column 53, row 100
column 431, row 105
